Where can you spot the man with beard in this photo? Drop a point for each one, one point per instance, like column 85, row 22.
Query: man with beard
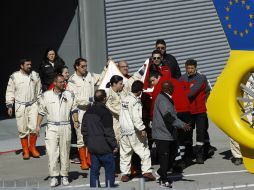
column 56, row 105
column 23, row 88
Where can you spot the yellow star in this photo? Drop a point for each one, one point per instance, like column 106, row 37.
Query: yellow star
column 250, row 24
column 243, row 2
column 227, row 9
column 241, row 34
column 251, row 16
column 247, row 7
column 230, row 3
column 235, row 32
column 236, row 1
column 229, row 26
column 227, row 17
column 246, row 31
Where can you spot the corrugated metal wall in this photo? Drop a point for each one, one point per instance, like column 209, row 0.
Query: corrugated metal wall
column 190, row 28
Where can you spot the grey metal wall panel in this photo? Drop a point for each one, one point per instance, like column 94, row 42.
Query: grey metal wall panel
column 190, row 28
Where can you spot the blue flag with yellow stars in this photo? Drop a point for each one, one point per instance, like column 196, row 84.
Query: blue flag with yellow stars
column 237, row 19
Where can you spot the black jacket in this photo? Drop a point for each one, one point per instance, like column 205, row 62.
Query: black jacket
column 171, row 62
column 97, row 129
column 47, row 72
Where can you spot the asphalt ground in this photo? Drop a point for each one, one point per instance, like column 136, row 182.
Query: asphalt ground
column 218, row 172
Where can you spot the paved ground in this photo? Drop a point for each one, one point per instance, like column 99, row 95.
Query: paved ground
column 216, row 173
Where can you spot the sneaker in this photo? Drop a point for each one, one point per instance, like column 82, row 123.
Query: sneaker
column 166, row 184
column 65, row 181
column 157, row 175
column 53, row 182
column 238, row 161
column 149, row 176
column 75, row 160
column 125, row 178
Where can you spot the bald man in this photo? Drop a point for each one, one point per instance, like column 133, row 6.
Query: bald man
column 124, row 69
column 165, row 123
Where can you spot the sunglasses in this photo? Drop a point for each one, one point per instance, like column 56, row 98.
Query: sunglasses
column 160, row 48
column 156, row 58
column 83, row 66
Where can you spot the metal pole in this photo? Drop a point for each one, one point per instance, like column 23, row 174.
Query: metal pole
column 141, row 184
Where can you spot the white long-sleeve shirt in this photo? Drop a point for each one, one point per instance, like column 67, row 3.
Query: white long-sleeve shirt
column 83, row 87
column 114, row 99
column 23, row 88
column 131, row 115
column 57, row 107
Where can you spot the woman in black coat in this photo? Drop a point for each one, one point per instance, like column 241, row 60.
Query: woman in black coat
column 50, row 65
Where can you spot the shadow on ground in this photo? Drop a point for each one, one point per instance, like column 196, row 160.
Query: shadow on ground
column 41, row 149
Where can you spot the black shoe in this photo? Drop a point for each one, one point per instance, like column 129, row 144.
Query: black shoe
column 200, row 160
column 178, row 167
column 209, row 150
column 238, row 161
column 213, row 148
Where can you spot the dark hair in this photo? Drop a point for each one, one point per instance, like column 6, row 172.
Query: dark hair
column 160, row 41
column 114, row 79
column 191, row 62
column 99, row 95
column 154, row 74
column 58, row 60
column 77, row 62
column 154, row 68
column 22, row 61
column 137, row 86
column 45, row 57
column 57, row 76
column 156, row 52
column 60, row 69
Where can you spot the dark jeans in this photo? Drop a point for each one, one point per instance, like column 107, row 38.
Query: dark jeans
column 166, row 152
column 102, row 160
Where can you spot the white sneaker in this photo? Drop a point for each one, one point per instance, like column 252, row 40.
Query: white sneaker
column 53, row 182
column 157, row 176
column 166, row 184
column 65, row 181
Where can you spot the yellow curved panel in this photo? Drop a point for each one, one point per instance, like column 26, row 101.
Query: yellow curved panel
column 223, row 107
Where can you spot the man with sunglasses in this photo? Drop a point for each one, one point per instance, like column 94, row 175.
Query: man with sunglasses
column 156, row 65
column 82, row 84
column 168, row 59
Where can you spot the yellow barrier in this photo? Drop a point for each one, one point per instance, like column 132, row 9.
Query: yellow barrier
column 225, row 110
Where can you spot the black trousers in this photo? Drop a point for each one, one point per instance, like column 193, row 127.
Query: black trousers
column 166, row 152
column 74, row 150
column 181, row 135
column 200, row 121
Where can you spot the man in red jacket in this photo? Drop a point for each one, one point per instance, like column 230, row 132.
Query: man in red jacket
column 156, row 75
column 198, row 91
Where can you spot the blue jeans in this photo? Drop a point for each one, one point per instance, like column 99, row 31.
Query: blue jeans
column 108, row 162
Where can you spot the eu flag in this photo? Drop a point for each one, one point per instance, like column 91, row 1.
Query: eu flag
column 237, row 19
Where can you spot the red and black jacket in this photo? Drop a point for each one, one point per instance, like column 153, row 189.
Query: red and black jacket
column 197, row 86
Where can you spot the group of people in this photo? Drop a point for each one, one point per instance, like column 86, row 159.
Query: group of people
column 118, row 127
